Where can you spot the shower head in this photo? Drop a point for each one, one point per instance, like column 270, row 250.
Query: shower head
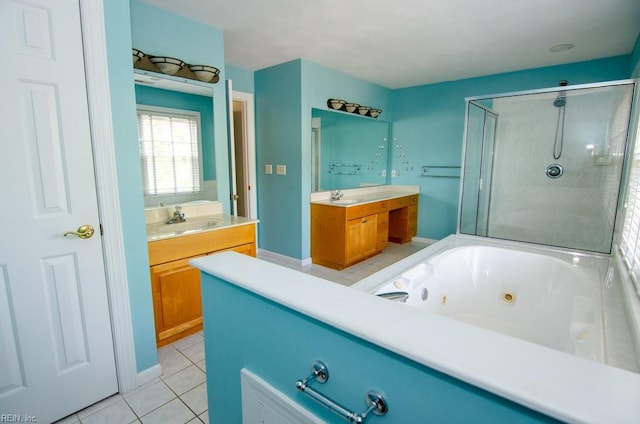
column 561, row 100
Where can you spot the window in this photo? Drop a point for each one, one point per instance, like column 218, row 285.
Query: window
column 169, row 141
column 630, row 240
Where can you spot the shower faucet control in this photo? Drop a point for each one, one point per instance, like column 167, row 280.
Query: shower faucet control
column 554, row 171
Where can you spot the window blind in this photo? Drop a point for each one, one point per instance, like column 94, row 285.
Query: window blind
column 169, row 152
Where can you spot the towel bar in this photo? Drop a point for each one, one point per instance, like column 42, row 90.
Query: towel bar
column 320, row 373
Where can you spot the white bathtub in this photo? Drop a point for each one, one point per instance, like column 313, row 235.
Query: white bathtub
column 551, row 298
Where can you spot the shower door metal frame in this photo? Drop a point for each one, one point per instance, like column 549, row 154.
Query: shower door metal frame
column 627, row 145
column 484, row 183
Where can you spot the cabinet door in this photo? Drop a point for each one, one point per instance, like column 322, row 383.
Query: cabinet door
column 370, row 235
column 362, row 236
column 383, row 230
column 177, row 303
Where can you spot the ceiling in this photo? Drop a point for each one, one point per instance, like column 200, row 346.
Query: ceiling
column 403, row 43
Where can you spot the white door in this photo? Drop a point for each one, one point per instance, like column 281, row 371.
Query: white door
column 56, row 345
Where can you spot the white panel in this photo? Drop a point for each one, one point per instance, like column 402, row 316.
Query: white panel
column 66, row 311
column 12, row 370
column 46, row 150
column 262, row 403
column 32, row 30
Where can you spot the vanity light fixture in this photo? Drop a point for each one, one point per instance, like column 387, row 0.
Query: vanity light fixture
column 175, row 66
column 336, row 104
column 343, row 105
column 205, row 73
column 137, row 55
column 168, row 65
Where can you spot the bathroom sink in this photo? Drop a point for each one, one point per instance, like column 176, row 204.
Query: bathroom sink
column 180, row 227
column 191, row 225
column 345, row 201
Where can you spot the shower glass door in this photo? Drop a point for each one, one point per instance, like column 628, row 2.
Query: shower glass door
column 481, row 126
column 548, row 170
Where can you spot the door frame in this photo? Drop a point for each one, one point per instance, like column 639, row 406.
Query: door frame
column 99, row 102
column 249, row 124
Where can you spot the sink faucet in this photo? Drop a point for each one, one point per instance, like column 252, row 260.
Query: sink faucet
column 178, row 216
column 336, row 195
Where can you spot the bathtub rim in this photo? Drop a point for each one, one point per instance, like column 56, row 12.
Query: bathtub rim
column 371, row 283
column 557, row 384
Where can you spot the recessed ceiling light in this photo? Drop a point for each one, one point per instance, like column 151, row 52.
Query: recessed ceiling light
column 561, row 47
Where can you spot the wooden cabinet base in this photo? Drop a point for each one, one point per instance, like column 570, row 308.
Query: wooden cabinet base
column 343, row 236
column 177, row 333
column 175, row 285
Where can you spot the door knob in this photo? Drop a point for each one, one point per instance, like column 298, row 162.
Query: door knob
column 84, row 232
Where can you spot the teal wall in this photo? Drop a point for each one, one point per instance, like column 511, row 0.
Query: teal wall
column 144, row 26
column 244, row 330
column 285, row 95
column 151, row 96
column 125, row 131
column 428, row 121
column 242, row 78
column 278, row 141
column 635, row 59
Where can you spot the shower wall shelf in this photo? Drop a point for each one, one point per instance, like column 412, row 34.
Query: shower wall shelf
column 344, row 169
column 439, row 171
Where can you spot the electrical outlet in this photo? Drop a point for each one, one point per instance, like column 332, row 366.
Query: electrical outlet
column 383, row 172
column 394, row 173
column 268, row 168
column 281, row 169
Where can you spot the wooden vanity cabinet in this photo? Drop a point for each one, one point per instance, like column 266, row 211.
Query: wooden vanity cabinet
column 343, row 236
column 403, row 219
column 175, row 285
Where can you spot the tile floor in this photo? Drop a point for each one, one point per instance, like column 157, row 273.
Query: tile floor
column 179, row 396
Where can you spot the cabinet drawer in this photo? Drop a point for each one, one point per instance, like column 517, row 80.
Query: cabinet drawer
column 246, row 249
column 161, row 251
column 401, row 202
column 367, row 209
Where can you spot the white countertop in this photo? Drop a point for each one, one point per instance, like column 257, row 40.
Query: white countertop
column 200, row 224
column 560, row 385
column 359, row 196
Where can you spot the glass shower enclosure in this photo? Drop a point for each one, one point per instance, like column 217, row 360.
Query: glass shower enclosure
column 545, row 166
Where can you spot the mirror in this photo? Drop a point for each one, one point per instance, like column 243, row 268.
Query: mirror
column 163, row 93
column 347, row 150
